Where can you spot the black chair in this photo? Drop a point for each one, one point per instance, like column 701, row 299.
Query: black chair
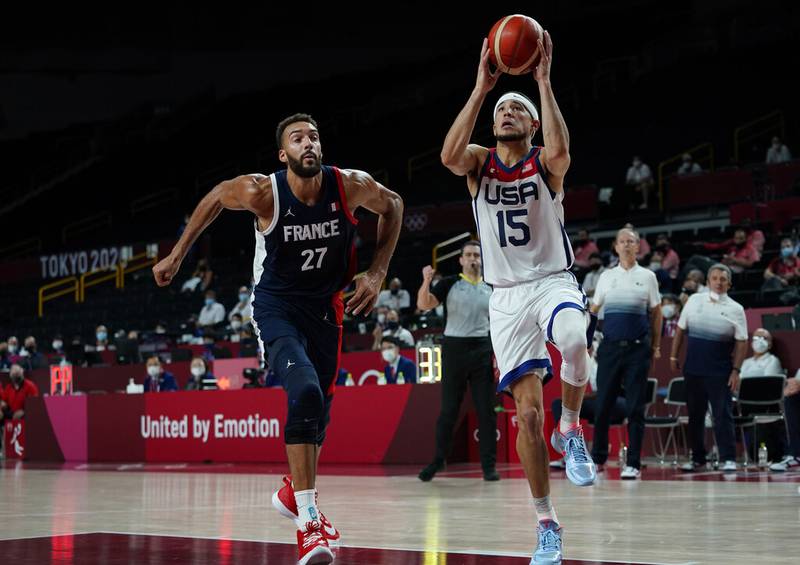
column 180, row 354
column 128, row 352
column 221, row 352
column 675, row 400
column 759, row 401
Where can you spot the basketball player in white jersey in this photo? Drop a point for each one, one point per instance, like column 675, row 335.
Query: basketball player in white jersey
column 517, row 190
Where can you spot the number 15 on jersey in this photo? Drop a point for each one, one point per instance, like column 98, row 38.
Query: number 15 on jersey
column 519, row 233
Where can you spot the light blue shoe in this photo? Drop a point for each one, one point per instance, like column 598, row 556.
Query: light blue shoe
column 548, row 551
column 581, row 469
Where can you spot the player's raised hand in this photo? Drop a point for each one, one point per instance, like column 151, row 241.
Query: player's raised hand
column 165, row 270
column 542, row 70
column 365, row 296
column 486, row 79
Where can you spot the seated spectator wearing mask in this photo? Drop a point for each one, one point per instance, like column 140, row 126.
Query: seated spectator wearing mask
column 699, row 278
column 393, row 329
column 236, row 328
column 398, row 370
column 5, row 357
column 791, row 413
column 670, row 312
column 664, row 262
column 595, row 270
column 243, row 308
column 158, row 380
column 12, row 404
column 395, row 297
column 212, row 312
column 741, row 255
column 688, row 288
column 201, row 379
column 101, row 340
column 35, row 358
column 784, row 270
column 57, row 346
column 762, row 362
column 201, row 278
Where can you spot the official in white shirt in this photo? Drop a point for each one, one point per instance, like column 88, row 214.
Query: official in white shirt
column 716, row 346
column 628, row 295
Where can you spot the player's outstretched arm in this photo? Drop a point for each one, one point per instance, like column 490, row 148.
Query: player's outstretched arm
column 246, row 192
column 555, row 156
column 458, row 154
column 363, row 190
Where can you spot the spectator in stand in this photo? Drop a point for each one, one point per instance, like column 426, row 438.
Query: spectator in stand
column 243, row 307
column 762, row 362
column 670, row 313
column 699, row 278
column 640, row 179
column 13, row 349
column 392, row 329
column 398, row 370
column 783, row 270
column 664, row 262
column 754, row 237
column 57, row 346
column 644, row 246
column 778, row 152
column 5, row 357
column 395, row 297
column 236, row 329
column 791, row 412
column 201, row 378
column 212, row 312
column 688, row 167
column 596, row 268
column 32, row 358
column 584, row 247
column 201, row 278
column 741, row 255
column 16, row 392
column 101, row 340
column 688, row 288
column 158, row 380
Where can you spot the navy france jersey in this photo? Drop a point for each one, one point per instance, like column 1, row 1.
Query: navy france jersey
column 307, row 251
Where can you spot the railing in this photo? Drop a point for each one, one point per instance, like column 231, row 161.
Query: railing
column 21, row 248
column 146, row 258
column 154, row 200
column 702, row 154
column 769, row 124
column 94, row 278
column 438, row 258
column 75, row 288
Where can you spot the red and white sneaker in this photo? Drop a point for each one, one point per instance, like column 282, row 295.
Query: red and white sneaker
column 312, row 546
column 284, row 502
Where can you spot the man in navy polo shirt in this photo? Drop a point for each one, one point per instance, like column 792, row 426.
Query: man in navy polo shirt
column 628, row 295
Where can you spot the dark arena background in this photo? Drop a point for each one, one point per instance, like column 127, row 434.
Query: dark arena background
column 116, row 121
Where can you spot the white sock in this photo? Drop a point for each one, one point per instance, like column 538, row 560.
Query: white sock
column 544, row 509
column 306, row 507
column 569, row 419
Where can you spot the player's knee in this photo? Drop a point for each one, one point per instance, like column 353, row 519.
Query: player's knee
column 306, row 408
column 571, row 343
column 531, row 421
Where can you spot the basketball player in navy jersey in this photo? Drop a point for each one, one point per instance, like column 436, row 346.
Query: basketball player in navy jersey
column 517, row 190
column 305, row 255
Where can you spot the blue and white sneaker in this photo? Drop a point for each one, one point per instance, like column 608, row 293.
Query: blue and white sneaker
column 548, row 551
column 581, row 469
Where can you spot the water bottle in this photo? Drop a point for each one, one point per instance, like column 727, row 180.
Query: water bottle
column 763, row 455
column 623, row 456
column 401, row 380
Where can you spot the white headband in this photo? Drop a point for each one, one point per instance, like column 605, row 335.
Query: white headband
column 517, row 97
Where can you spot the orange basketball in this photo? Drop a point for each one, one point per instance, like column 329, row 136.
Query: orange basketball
column 513, row 46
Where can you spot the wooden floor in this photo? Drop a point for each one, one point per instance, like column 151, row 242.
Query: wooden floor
column 745, row 518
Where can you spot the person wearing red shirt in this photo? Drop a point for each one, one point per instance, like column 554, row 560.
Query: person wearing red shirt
column 741, row 255
column 584, row 248
column 16, row 392
column 783, row 270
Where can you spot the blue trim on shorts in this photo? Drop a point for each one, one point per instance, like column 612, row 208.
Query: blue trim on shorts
column 556, row 310
column 513, row 375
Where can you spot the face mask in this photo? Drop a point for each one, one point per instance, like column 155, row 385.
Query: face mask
column 243, row 296
column 668, row 310
column 395, row 291
column 392, row 325
column 58, row 344
column 197, row 371
column 153, row 371
column 715, row 297
column 209, row 301
column 236, row 325
column 786, row 252
column 101, row 336
column 389, row 355
column 381, row 318
column 759, row 344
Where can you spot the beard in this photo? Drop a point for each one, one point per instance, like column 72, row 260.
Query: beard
column 301, row 170
column 511, row 137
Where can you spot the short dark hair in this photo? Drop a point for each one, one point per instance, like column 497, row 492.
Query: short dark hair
column 471, row 242
column 286, row 122
column 671, row 297
column 390, row 339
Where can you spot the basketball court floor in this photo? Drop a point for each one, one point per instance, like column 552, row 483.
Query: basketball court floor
column 159, row 514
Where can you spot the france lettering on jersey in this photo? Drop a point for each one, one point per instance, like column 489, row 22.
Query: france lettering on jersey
column 306, row 251
column 520, row 222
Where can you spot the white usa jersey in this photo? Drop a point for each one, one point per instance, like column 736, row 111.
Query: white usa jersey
column 520, row 222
